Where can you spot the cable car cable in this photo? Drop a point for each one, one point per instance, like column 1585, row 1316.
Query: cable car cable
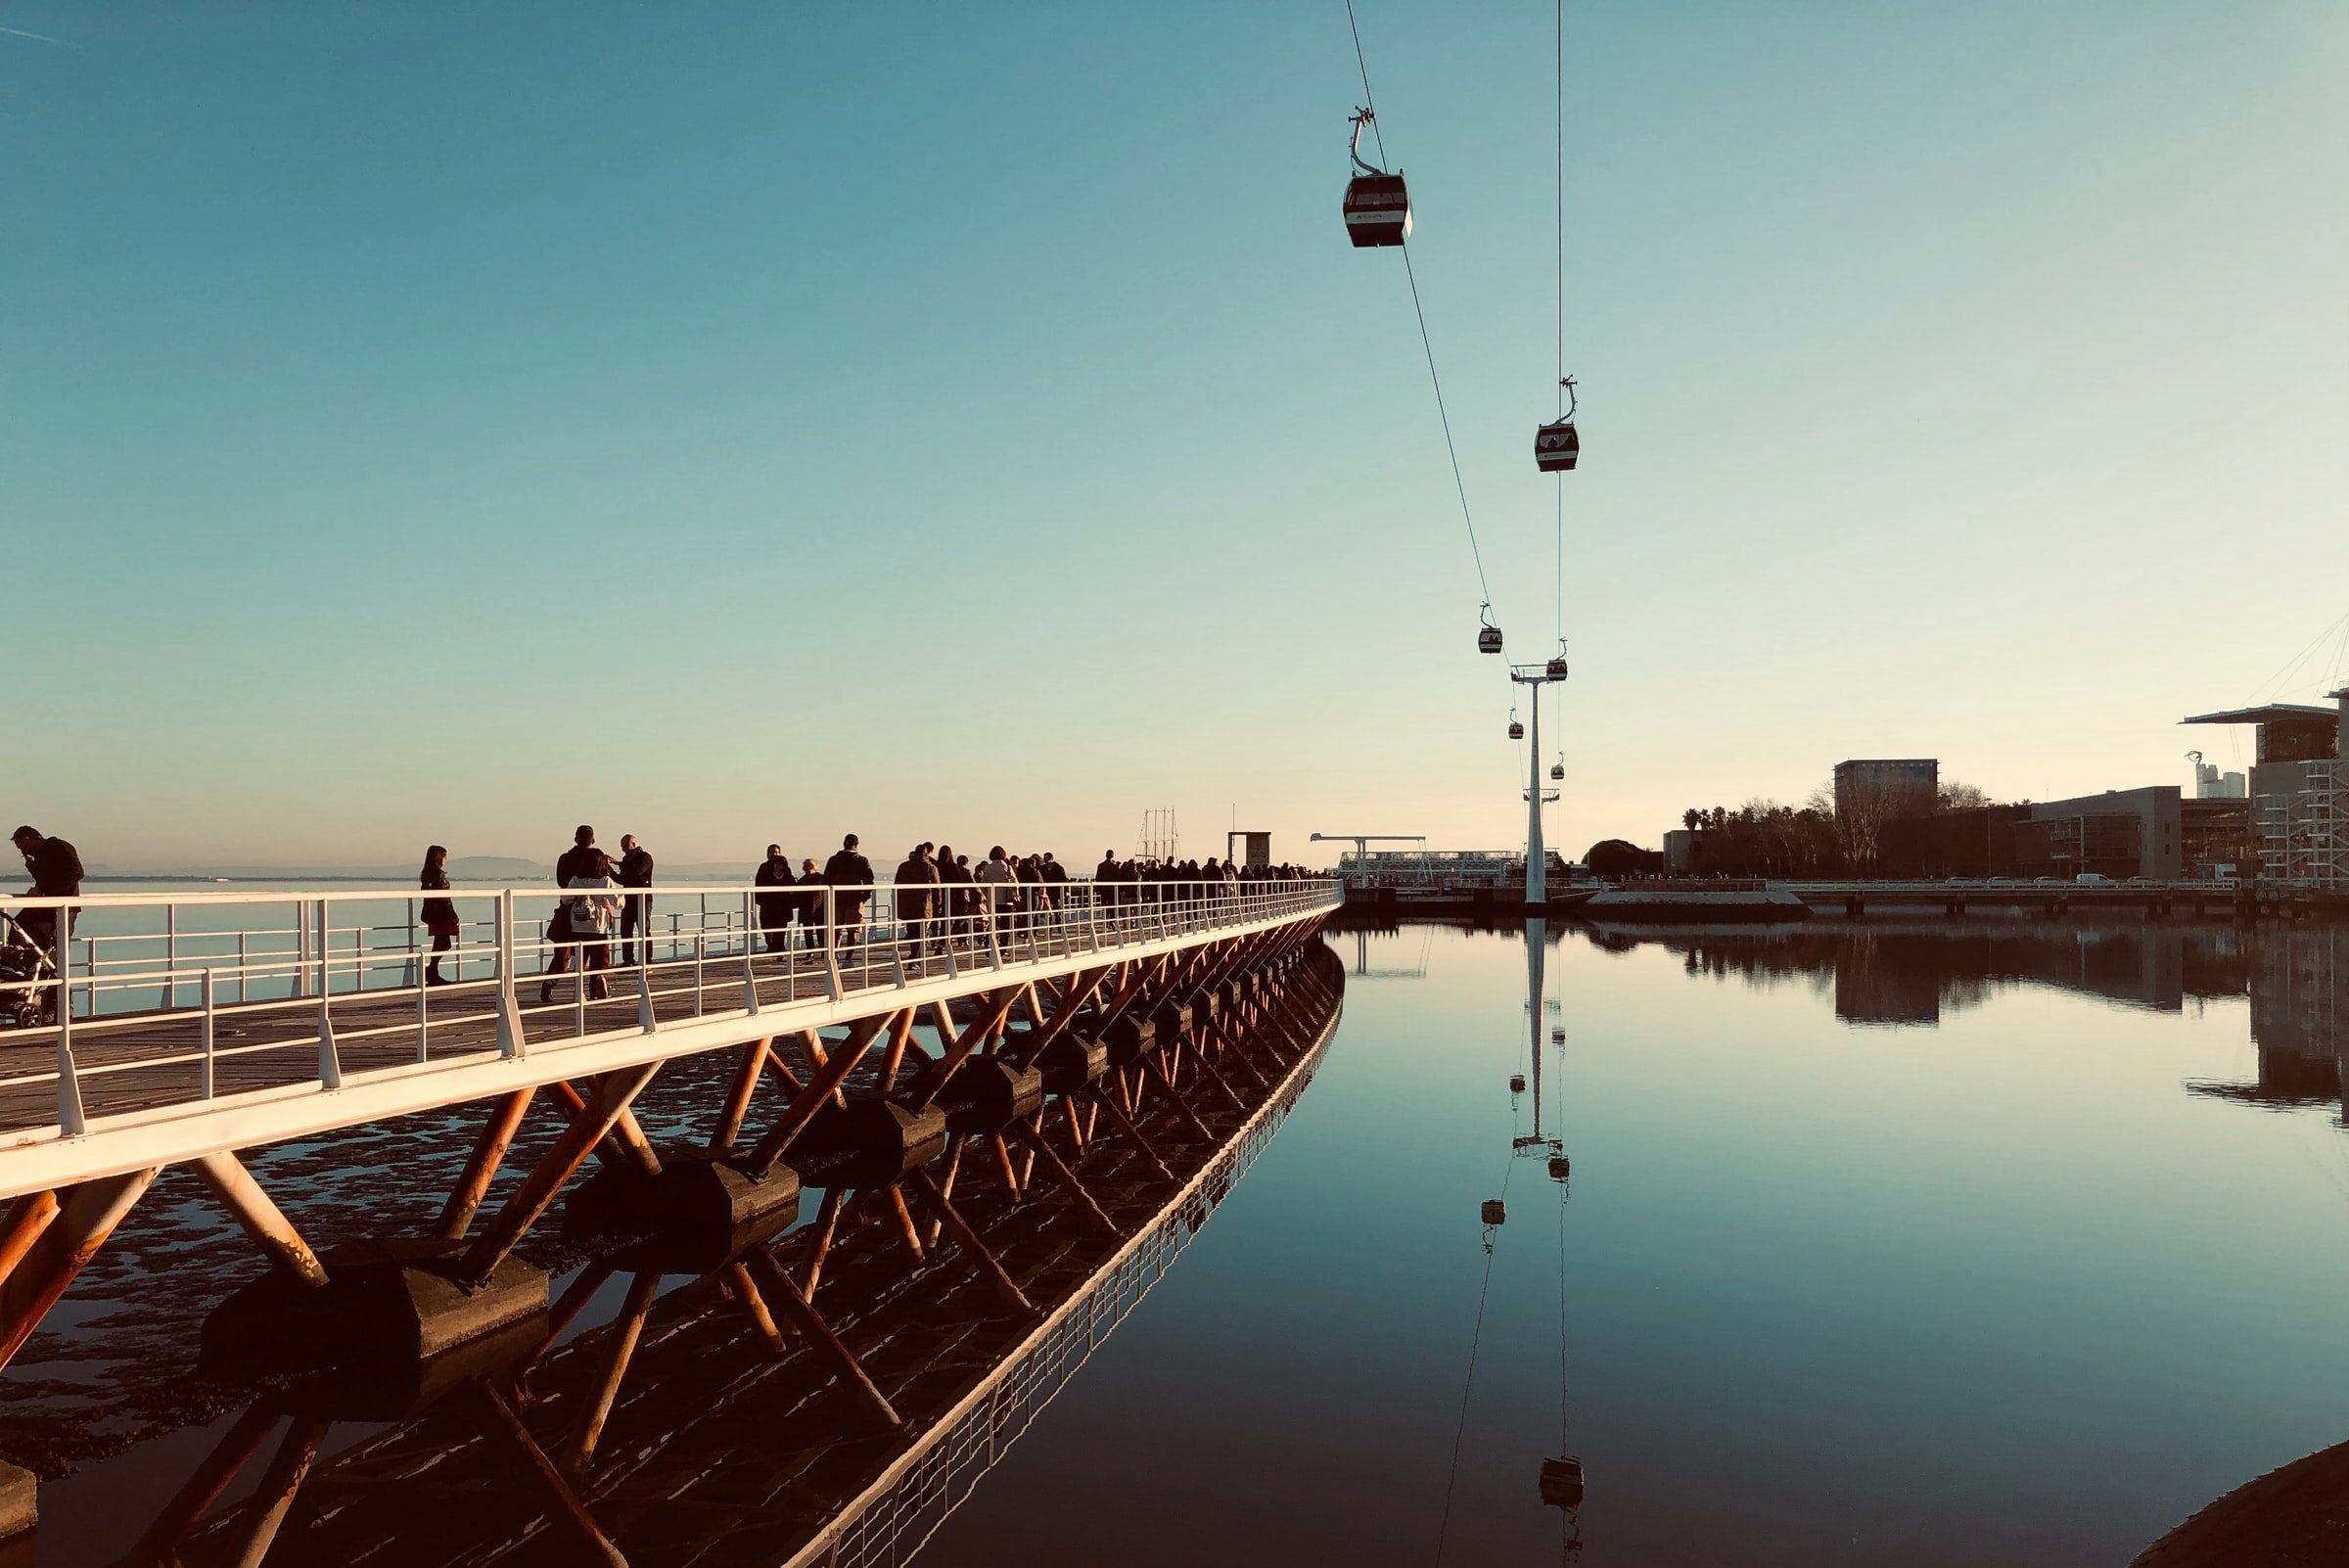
column 1427, row 346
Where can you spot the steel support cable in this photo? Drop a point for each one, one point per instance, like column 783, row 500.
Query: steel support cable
column 1420, row 312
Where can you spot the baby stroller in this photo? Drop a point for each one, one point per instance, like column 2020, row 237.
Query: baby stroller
column 25, row 964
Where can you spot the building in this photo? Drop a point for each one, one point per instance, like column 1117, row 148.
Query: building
column 2212, row 785
column 2118, row 834
column 1679, row 852
column 2298, row 787
column 1886, row 786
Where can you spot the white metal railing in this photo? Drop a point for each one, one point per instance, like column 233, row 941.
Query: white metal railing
column 181, row 986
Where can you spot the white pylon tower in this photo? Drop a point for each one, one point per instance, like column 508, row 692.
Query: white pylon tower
column 1536, row 859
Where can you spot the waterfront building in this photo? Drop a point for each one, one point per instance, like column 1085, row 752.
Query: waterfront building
column 2118, row 834
column 2298, row 788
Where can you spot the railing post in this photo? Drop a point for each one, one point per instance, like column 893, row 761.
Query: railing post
column 69, row 1085
column 509, row 1005
column 330, row 1061
column 407, row 974
column 831, row 945
column 750, row 977
column 301, row 946
column 170, row 956
column 242, row 965
column 422, row 1019
column 204, row 1068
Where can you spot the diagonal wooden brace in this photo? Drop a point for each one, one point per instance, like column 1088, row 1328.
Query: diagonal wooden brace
column 595, row 1118
column 775, row 1289
column 259, row 1217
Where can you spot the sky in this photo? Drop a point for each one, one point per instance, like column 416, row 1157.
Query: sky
column 749, row 422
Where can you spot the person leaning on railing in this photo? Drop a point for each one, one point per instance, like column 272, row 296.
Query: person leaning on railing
column 55, row 867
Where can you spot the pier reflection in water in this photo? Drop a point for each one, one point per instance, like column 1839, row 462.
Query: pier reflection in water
column 1897, row 1245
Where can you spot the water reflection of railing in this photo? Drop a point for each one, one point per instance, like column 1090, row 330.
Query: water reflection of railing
column 899, row 1512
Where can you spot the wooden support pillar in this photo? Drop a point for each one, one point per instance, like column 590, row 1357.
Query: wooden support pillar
column 1034, row 1139
column 574, row 1301
column 993, row 1011
column 220, row 1467
column 1072, row 1002
column 1011, row 1176
column 1218, row 1079
column 899, row 1037
column 28, row 1217
column 738, row 1096
column 744, row 1289
column 87, row 1215
column 595, row 1118
column 827, row 1224
column 260, row 1218
column 502, row 1429
column 1167, row 1082
column 287, row 1468
column 480, row 1166
column 775, row 1288
column 914, row 1236
column 1117, row 1113
column 945, row 1186
column 625, row 1332
column 1006, row 1291
column 829, row 1076
column 628, row 1147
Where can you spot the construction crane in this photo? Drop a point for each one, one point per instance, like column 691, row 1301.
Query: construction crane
column 1361, row 843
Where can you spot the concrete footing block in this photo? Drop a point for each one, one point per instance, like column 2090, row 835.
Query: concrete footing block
column 384, row 1302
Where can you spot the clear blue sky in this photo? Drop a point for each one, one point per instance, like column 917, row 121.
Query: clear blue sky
column 753, row 421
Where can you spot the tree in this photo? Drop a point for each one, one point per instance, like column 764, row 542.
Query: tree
column 1957, row 797
column 1692, row 819
column 1611, row 859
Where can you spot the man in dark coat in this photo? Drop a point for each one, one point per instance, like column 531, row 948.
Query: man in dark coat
column 917, row 879
column 851, row 870
column 775, row 908
column 635, row 870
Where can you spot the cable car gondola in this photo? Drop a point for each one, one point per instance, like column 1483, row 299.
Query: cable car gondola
column 1556, row 445
column 1487, row 636
column 1516, row 730
column 1557, row 669
column 1557, row 770
column 1377, row 205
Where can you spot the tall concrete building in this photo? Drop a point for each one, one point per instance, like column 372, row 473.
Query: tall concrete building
column 2299, row 787
column 1905, row 785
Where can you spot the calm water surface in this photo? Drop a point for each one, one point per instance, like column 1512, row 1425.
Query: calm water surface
column 1881, row 1245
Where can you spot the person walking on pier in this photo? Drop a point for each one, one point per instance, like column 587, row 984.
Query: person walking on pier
column 635, row 911
column 1056, row 885
column 917, row 880
column 440, row 916
column 947, row 906
column 998, row 887
column 55, row 867
column 588, row 919
column 812, row 905
column 775, row 908
column 849, row 869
